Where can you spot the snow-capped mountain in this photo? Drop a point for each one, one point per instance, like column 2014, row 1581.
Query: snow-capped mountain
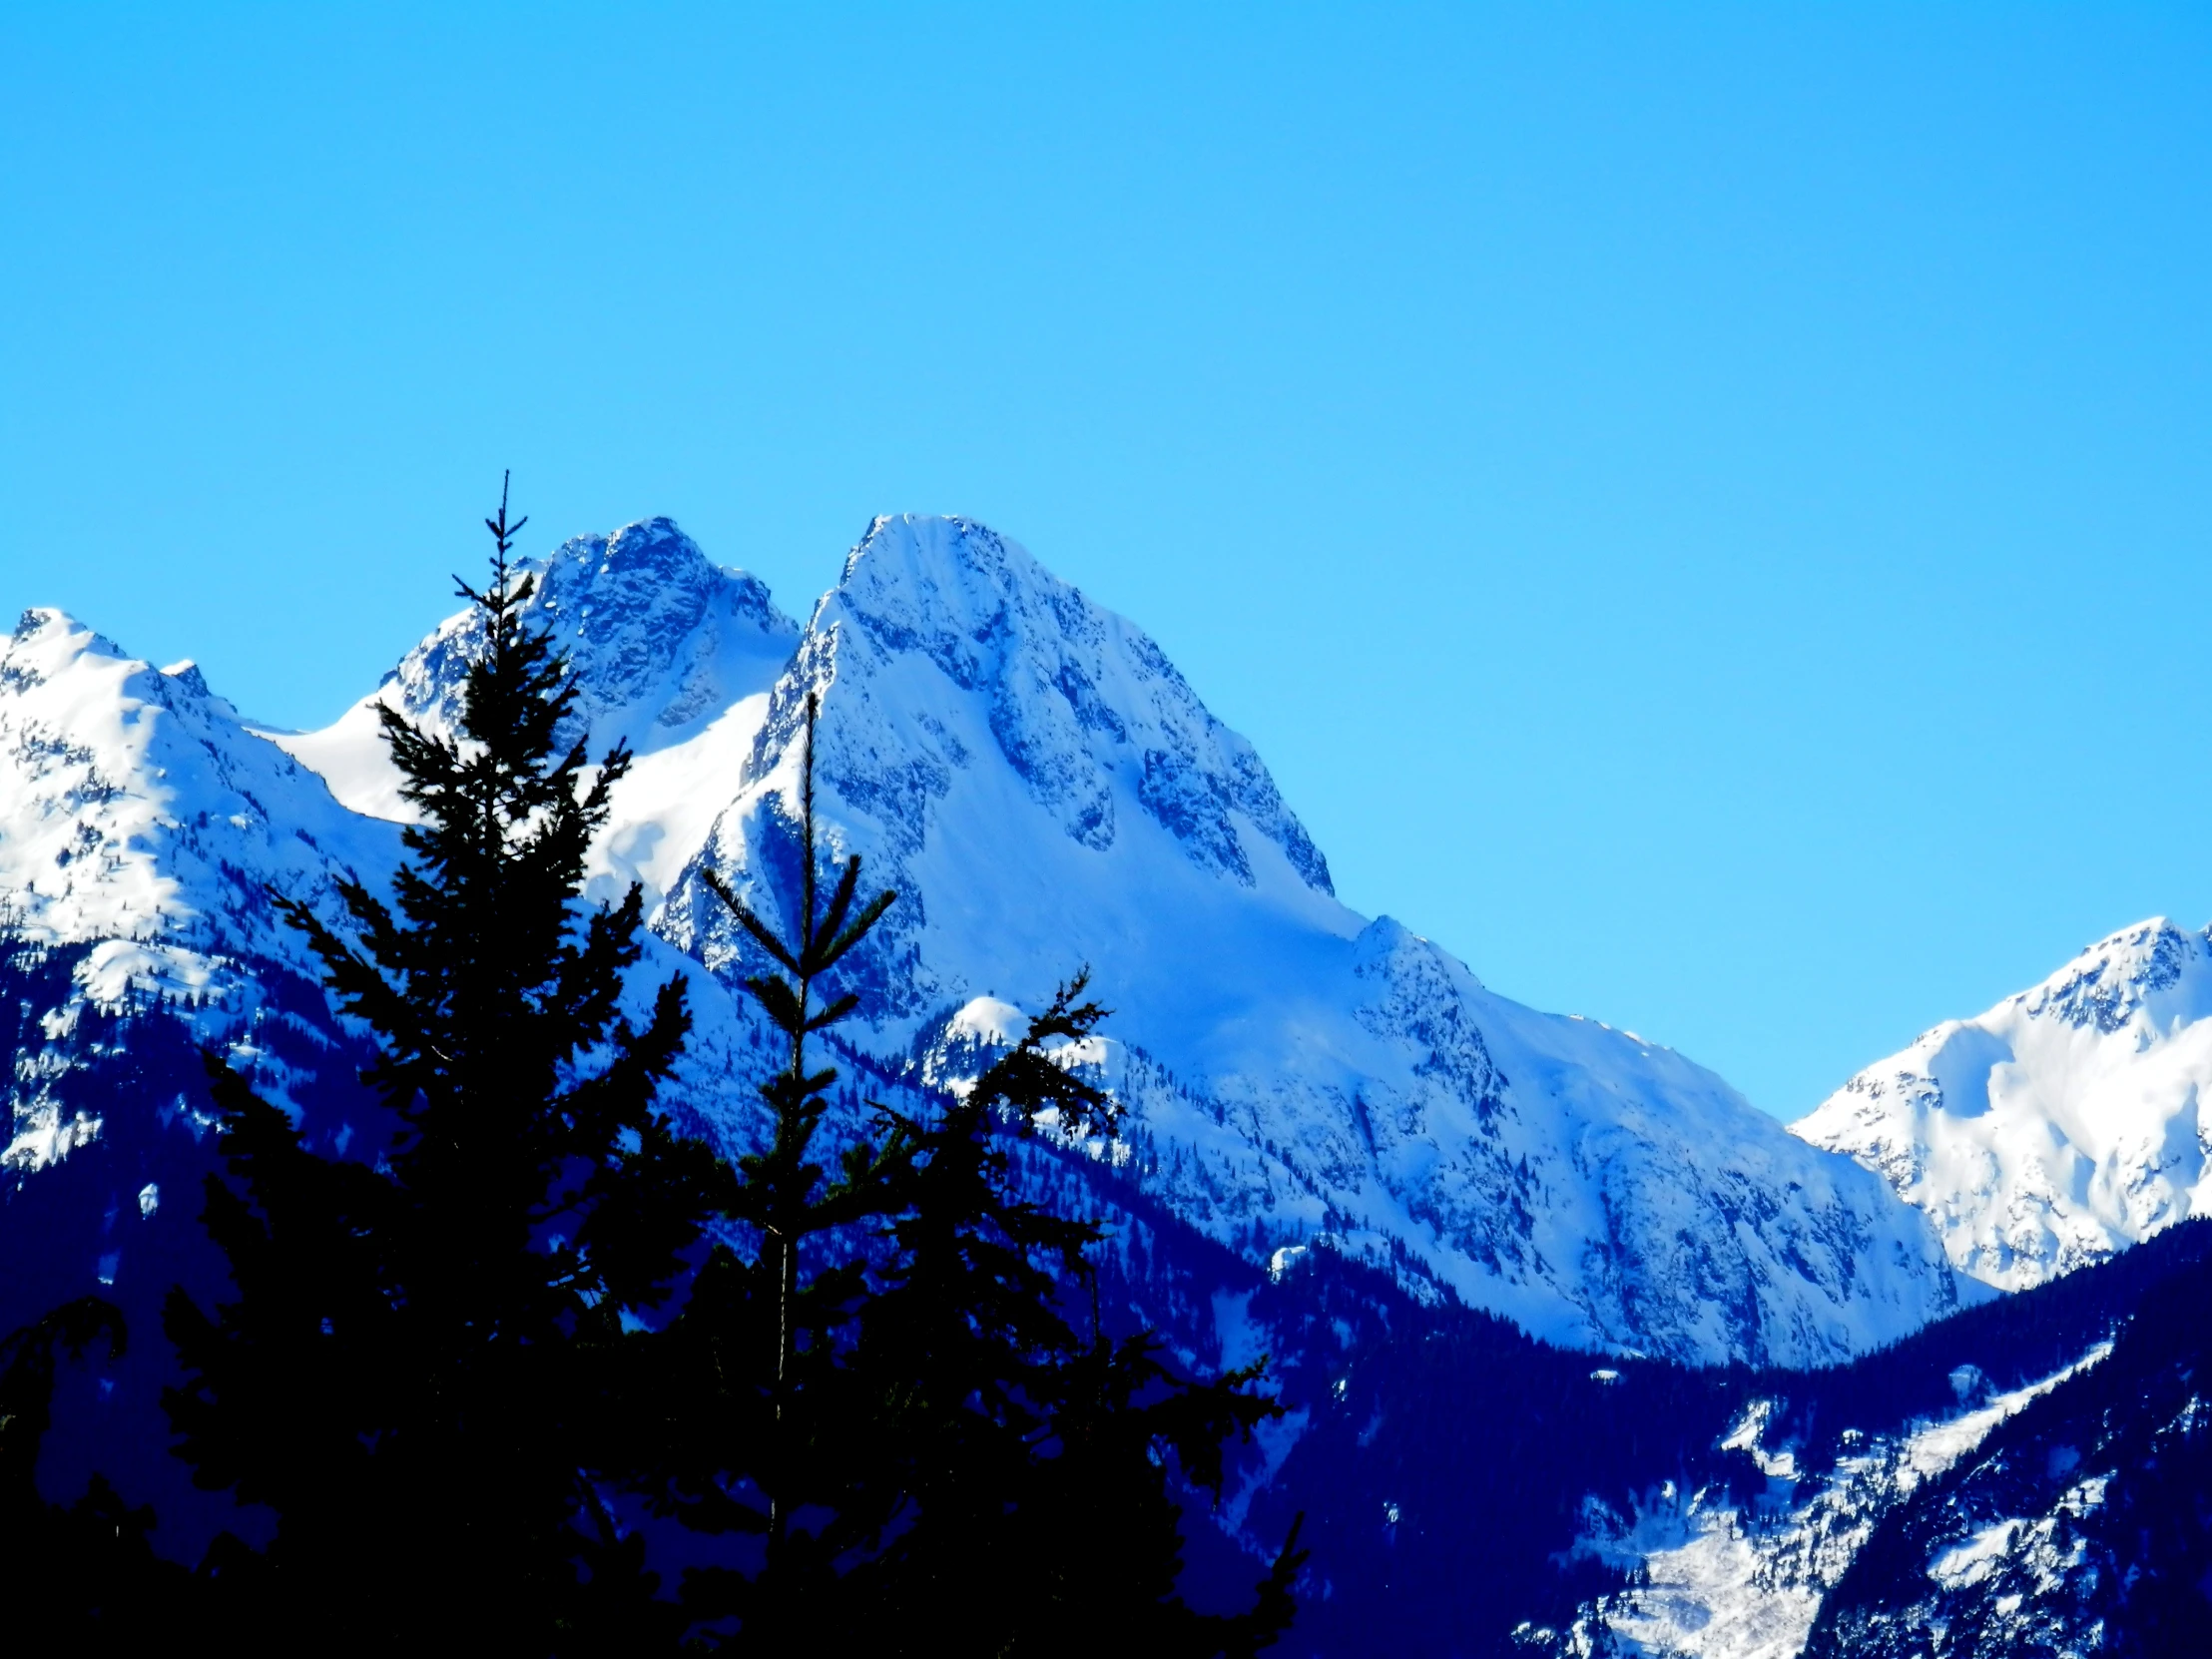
column 141, row 828
column 133, row 807
column 1046, row 791
column 2061, row 1126
column 674, row 655
column 1331, row 1121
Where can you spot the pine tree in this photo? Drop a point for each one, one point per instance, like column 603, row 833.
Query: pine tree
column 419, row 1373
column 936, row 1455
column 1041, row 1458
column 776, row 1445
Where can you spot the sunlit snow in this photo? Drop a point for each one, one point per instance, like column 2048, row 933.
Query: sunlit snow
column 2058, row 1128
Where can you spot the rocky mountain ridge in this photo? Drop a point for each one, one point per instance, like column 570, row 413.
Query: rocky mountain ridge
column 1046, row 791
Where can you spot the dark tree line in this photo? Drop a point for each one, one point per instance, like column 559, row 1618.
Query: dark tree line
column 549, row 1377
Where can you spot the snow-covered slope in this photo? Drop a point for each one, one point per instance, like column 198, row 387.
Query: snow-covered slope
column 133, row 807
column 1046, row 791
column 141, row 828
column 2061, row 1126
column 2078, row 1526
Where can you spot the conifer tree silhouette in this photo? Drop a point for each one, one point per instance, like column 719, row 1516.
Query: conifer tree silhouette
column 939, row 1457
column 419, row 1370
column 1039, row 1457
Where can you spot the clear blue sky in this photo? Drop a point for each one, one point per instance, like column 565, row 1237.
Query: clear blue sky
column 1705, row 510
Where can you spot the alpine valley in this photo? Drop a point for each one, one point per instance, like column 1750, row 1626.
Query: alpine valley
column 1582, row 1352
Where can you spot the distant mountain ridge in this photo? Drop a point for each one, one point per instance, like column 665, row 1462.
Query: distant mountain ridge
column 1046, row 791
column 141, row 826
column 2059, row 1127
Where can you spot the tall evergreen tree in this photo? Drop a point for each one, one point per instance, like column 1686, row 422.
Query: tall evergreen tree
column 777, row 1445
column 1042, row 1455
column 940, row 1456
column 417, row 1369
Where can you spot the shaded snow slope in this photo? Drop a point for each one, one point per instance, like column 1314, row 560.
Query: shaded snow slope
column 2063, row 1125
column 1045, row 791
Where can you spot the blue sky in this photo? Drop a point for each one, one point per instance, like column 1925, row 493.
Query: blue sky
column 1706, row 510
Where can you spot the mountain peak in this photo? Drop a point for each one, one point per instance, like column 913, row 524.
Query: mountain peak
column 135, row 807
column 665, row 645
column 187, row 674
column 1045, row 791
column 51, row 628
column 661, row 638
column 2120, row 976
column 1082, row 705
column 2059, row 1126
column 953, row 571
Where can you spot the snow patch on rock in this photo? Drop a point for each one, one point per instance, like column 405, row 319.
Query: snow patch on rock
column 1717, row 1579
